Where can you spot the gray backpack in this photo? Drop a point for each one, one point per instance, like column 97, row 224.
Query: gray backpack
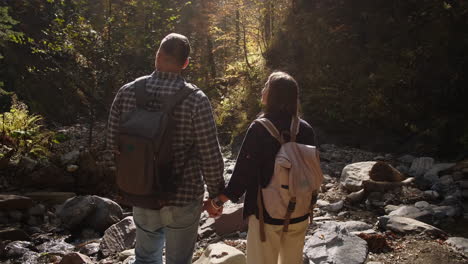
column 145, row 163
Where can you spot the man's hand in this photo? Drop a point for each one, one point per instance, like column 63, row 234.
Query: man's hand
column 211, row 208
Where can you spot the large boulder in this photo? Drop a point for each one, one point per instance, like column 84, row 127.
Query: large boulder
column 96, row 212
column 333, row 243
column 220, row 253
column 14, row 202
column 353, row 175
column 105, row 214
column 119, row 237
column 407, row 225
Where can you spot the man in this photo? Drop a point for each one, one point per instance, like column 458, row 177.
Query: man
column 197, row 158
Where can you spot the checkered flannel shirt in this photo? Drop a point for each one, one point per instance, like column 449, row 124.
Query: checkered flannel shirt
column 195, row 135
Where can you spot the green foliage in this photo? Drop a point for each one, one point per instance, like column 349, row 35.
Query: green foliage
column 24, row 132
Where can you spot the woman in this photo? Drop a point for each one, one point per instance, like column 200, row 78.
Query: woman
column 254, row 167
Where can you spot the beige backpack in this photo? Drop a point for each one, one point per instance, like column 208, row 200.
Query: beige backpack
column 297, row 177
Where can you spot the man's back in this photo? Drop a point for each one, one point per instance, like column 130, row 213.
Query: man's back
column 195, row 146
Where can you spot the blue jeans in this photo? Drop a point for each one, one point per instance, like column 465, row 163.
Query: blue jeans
column 177, row 226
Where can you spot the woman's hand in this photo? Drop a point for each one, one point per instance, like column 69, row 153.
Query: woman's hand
column 213, row 210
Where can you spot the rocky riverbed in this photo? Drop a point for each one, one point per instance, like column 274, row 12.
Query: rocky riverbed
column 373, row 208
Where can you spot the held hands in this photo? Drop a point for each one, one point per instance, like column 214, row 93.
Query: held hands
column 212, row 209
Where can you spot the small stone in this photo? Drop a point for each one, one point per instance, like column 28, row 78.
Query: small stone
column 334, row 207
column 90, row 249
column 221, row 253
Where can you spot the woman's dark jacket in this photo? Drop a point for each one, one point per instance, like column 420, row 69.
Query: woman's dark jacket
column 255, row 163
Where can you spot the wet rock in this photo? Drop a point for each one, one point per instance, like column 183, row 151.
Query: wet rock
column 460, row 244
column 17, row 249
column 332, row 243
column 14, row 234
column 56, row 246
column 50, row 197
column 220, row 253
column 407, row 225
column 119, row 237
column 75, row 258
column 14, row 202
column 420, row 166
column 353, row 175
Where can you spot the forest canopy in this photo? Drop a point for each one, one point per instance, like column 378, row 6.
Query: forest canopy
column 394, row 66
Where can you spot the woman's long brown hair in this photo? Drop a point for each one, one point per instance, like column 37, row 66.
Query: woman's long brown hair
column 282, row 97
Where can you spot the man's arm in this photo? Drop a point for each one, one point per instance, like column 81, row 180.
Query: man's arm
column 206, row 140
column 114, row 123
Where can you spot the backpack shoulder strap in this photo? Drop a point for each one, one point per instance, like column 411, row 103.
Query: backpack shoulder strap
column 141, row 95
column 271, row 129
column 180, row 95
column 294, row 129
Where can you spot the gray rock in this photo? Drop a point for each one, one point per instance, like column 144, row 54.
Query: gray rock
column 56, row 246
column 332, row 243
column 420, row 166
column 14, row 202
column 17, row 249
column 119, row 237
column 334, row 207
column 222, row 254
column 353, row 175
column 322, row 203
column 446, row 211
column 407, row 225
column 413, row 212
column 460, row 244
column 70, row 157
column 105, row 214
column 353, row 226
column 408, row 159
column 390, row 208
column 432, row 175
column 75, row 210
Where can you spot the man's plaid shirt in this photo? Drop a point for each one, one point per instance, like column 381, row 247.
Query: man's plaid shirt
column 195, row 136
